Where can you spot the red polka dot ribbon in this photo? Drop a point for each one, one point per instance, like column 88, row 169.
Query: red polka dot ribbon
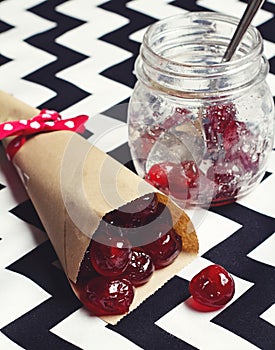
column 47, row 120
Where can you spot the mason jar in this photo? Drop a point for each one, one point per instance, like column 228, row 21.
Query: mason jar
column 200, row 129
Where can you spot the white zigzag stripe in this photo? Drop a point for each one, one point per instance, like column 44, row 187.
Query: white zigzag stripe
column 157, row 9
column 12, row 46
column 26, row 236
column 80, row 329
column 87, row 11
column 265, row 251
column 11, row 304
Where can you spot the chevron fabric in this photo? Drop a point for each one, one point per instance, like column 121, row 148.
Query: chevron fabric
column 77, row 57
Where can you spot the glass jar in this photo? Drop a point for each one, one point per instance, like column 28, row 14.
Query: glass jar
column 201, row 130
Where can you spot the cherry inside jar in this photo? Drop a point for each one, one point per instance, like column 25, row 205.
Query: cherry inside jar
column 201, row 130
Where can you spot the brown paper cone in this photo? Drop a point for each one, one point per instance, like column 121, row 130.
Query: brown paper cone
column 73, row 184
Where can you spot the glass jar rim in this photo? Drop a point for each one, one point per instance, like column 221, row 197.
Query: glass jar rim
column 255, row 50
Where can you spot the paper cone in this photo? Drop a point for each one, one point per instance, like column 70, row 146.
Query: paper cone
column 73, row 184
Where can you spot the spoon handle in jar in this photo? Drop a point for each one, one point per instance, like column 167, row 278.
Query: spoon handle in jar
column 245, row 21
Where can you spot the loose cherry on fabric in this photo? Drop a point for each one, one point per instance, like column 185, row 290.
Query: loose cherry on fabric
column 213, row 286
column 108, row 295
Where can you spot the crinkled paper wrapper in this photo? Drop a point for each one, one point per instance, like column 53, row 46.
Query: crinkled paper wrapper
column 73, row 184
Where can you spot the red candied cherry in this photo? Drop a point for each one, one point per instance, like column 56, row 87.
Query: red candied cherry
column 213, row 286
column 217, row 118
column 110, row 255
column 86, row 271
column 235, row 132
column 220, row 115
column 227, row 178
column 239, row 146
column 142, row 235
column 249, row 162
column 165, row 248
column 175, row 178
column 108, row 296
column 158, row 176
column 190, row 171
column 183, row 180
column 140, row 269
column 137, row 213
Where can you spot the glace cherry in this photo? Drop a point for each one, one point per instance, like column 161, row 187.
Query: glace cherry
column 137, row 213
column 220, row 115
column 213, row 286
column 176, row 179
column 111, row 266
column 110, row 254
column 86, row 271
column 165, row 248
column 226, row 177
column 140, row 269
column 108, row 296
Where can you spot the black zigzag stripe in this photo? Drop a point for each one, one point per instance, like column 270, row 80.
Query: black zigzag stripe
column 232, row 253
column 123, row 72
column 268, row 6
column 190, row 5
column 266, row 29
column 272, row 65
column 65, row 57
column 25, row 211
column 4, row 60
column 3, row 28
column 37, row 265
column 123, row 155
column 139, row 326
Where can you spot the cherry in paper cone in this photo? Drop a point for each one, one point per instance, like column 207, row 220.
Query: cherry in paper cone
column 73, row 184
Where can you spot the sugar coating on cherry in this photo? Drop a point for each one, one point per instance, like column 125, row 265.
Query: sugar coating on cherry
column 213, row 286
column 220, row 115
column 108, row 295
column 140, row 268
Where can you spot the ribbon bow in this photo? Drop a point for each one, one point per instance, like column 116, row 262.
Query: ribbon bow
column 47, row 120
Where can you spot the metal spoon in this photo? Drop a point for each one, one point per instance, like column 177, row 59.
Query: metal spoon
column 244, row 23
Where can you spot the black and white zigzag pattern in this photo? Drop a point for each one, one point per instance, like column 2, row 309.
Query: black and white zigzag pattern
column 77, row 56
